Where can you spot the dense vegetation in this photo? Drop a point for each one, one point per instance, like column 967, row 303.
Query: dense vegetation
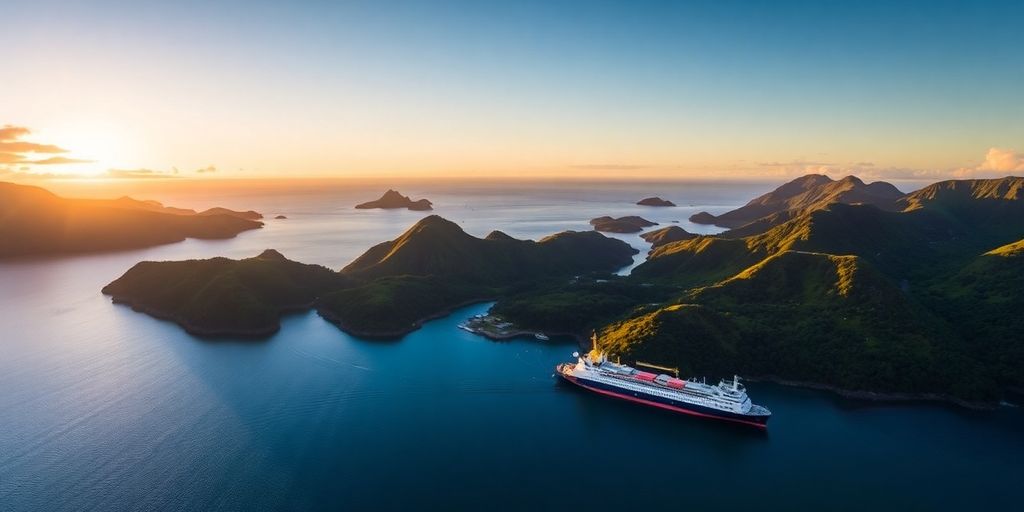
column 580, row 305
column 223, row 296
column 35, row 222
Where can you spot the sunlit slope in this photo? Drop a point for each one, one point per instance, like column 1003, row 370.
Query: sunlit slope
column 802, row 195
column 820, row 318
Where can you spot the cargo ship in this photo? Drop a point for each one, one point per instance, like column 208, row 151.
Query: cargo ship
column 727, row 401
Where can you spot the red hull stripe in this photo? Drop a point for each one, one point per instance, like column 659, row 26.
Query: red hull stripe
column 660, row 405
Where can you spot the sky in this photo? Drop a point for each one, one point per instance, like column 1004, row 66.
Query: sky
column 719, row 89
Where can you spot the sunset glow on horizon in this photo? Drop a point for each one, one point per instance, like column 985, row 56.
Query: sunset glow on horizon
column 527, row 90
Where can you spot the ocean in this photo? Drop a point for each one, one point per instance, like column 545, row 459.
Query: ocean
column 103, row 408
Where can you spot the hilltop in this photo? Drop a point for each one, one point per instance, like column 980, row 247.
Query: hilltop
column 386, row 292
column 802, row 195
column 34, row 221
column 392, row 199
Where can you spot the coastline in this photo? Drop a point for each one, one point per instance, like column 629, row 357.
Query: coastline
column 879, row 397
column 256, row 333
column 397, row 333
column 582, row 342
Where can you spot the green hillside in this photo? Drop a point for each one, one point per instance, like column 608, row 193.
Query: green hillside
column 808, row 317
column 224, row 296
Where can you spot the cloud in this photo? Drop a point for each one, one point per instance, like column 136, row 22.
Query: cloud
column 15, row 150
column 136, row 174
column 25, row 174
column 793, row 163
column 57, row 160
column 20, row 146
column 10, row 132
column 610, row 167
column 1002, row 160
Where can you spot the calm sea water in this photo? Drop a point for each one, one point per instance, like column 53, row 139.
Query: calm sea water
column 102, row 408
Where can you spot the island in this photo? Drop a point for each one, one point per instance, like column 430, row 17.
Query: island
column 36, row 222
column 655, row 201
column 392, row 199
column 387, row 292
column 280, row 217
column 628, row 224
column 667, row 235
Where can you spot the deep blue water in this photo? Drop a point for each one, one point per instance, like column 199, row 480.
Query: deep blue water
column 102, row 408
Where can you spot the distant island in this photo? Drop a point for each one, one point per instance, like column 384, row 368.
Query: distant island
column 655, row 201
column 392, row 199
column 628, row 224
column 35, row 222
column 390, row 290
column 280, row 217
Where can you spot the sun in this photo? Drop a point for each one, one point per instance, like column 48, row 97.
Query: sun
column 104, row 148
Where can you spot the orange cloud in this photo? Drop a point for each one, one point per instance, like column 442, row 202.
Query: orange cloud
column 13, row 150
column 1002, row 160
column 10, row 132
column 56, row 160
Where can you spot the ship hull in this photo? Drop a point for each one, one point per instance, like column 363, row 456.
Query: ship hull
column 666, row 403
